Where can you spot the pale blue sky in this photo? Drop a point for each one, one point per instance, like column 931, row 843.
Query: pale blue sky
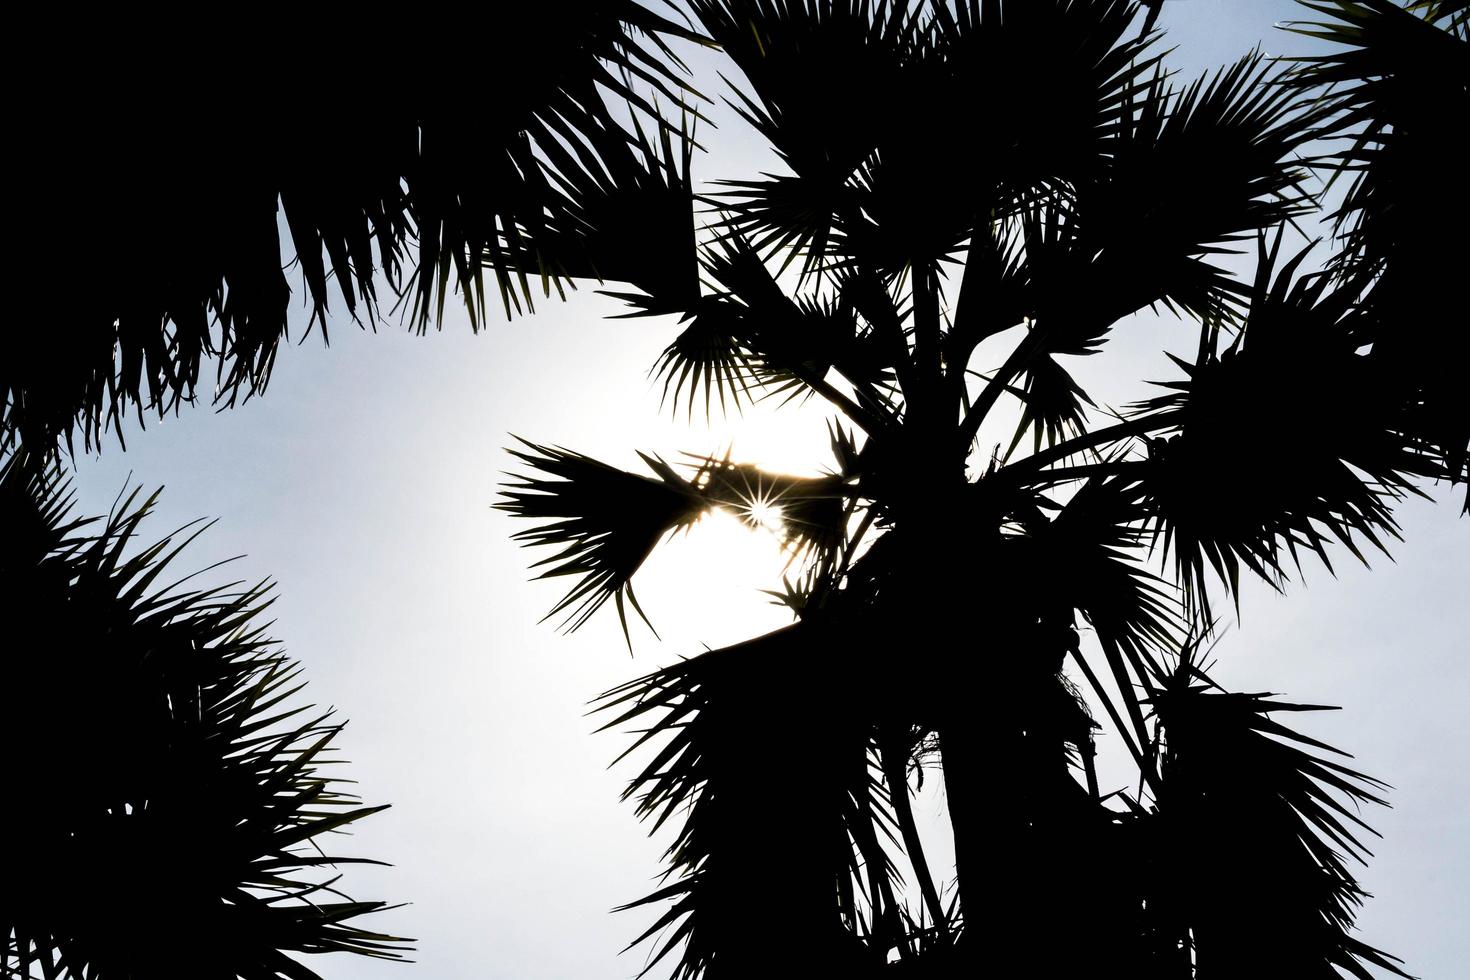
column 362, row 482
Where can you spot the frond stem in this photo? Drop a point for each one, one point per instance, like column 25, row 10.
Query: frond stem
column 1091, row 440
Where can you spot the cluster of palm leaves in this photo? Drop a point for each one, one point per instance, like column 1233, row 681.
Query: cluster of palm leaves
column 169, row 808
column 169, row 804
column 927, row 296
column 155, row 186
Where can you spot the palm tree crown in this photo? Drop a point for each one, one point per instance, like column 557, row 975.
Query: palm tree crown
column 921, row 292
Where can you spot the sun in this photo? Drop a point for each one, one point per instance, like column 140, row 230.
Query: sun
column 765, row 515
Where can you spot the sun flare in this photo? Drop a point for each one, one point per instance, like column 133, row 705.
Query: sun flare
column 766, row 516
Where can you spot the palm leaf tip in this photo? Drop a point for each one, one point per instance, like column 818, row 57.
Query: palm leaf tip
column 603, row 521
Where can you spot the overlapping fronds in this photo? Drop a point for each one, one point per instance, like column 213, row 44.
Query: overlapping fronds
column 749, row 340
column 1188, row 172
column 866, row 182
column 792, row 53
column 1397, row 84
column 1037, row 129
column 751, row 816
column 810, row 512
column 951, row 598
column 170, row 804
column 155, row 204
column 1254, row 801
column 1288, row 438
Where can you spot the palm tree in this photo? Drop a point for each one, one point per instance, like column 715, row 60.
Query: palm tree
column 151, row 194
column 921, row 293
column 168, row 807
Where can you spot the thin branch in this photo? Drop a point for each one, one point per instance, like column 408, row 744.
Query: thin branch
column 1066, row 474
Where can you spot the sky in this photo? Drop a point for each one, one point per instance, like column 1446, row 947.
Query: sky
column 363, row 480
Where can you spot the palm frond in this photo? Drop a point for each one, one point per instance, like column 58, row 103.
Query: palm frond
column 1053, row 126
column 604, row 520
column 1287, row 439
column 1089, row 557
column 1187, row 173
column 1251, row 801
column 628, row 214
column 419, row 184
column 749, row 814
column 711, row 355
column 177, row 799
column 820, row 133
column 1051, row 403
column 1393, row 87
column 810, row 513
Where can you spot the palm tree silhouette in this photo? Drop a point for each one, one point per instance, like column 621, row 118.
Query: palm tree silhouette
column 921, row 292
column 942, row 594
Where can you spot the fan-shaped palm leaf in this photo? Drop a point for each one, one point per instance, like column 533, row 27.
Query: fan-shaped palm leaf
column 1286, row 439
column 605, row 520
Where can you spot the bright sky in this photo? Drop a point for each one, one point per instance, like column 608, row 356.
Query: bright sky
column 363, row 482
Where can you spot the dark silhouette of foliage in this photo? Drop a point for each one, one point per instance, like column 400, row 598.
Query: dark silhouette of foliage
column 1398, row 83
column 153, row 199
column 923, row 272
column 169, row 809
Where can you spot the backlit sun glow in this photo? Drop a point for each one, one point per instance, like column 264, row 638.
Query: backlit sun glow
column 765, row 515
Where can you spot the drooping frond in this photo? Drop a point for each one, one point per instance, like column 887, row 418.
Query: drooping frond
column 1251, row 802
column 171, row 806
column 156, row 204
column 709, row 355
column 1089, row 558
column 1051, row 403
column 753, row 812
